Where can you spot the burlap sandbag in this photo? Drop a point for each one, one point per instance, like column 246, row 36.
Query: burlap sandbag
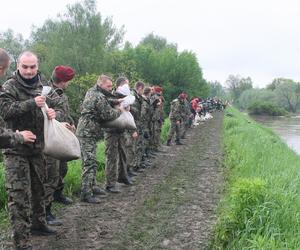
column 124, row 121
column 60, row 142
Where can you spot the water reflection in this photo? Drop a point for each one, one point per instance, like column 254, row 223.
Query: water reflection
column 288, row 128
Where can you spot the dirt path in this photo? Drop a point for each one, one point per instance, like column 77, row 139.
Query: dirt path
column 171, row 206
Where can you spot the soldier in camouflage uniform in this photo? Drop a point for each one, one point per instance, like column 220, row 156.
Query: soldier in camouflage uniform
column 176, row 118
column 146, row 115
column 57, row 169
column 94, row 111
column 8, row 138
column 187, row 116
column 157, row 117
column 116, row 165
column 20, row 107
column 136, row 109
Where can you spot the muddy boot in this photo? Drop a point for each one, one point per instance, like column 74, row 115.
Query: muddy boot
column 178, row 142
column 131, row 172
column 98, row 191
column 169, row 142
column 43, row 230
column 113, row 189
column 51, row 219
column 61, row 198
column 90, row 199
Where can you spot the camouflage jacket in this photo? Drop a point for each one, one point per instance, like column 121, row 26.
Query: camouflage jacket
column 95, row 110
column 146, row 113
column 66, row 114
column 187, row 109
column 9, row 139
column 157, row 110
column 136, row 108
column 177, row 111
column 18, row 109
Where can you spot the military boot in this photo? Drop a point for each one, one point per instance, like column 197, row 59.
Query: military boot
column 169, row 142
column 51, row 219
column 43, row 230
column 178, row 142
column 90, row 199
column 98, row 191
column 61, row 198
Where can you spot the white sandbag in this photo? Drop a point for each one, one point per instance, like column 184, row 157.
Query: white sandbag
column 127, row 101
column 124, row 121
column 124, row 90
column 60, row 142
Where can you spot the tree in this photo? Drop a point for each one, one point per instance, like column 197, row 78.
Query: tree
column 13, row 44
column 79, row 38
column 288, row 93
column 216, row 89
column 237, row 85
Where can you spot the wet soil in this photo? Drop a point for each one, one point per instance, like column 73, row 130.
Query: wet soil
column 171, row 206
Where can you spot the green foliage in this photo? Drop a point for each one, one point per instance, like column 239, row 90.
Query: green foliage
column 77, row 90
column 3, row 195
column 245, row 197
column 261, row 206
column 237, row 85
column 80, row 38
column 165, row 130
column 265, row 108
column 250, row 96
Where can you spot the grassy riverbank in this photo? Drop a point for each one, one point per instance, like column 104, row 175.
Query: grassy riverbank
column 261, row 207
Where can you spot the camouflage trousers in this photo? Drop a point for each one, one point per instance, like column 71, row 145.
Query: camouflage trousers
column 25, row 176
column 89, row 165
column 185, row 127
column 130, row 149
column 174, row 128
column 115, row 166
column 139, row 147
column 156, row 135
column 56, row 172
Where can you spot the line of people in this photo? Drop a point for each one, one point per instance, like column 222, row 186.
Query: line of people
column 34, row 180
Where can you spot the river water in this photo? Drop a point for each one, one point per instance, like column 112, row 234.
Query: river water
column 288, row 128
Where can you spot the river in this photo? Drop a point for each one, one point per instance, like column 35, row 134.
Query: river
column 288, row 128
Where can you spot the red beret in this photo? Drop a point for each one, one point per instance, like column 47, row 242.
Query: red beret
column 63, row 73
column 158, row 89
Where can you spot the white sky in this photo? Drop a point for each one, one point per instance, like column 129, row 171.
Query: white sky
column 256, row 38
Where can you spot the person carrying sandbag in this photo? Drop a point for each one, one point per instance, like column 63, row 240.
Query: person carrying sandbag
column 57, row 169
column 95, row 111
column 20, row 107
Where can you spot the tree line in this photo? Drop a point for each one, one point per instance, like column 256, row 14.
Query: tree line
column 81, row 38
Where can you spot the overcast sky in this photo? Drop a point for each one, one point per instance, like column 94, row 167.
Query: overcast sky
column 256, row 38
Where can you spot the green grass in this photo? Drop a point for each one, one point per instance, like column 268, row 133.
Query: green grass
column 165, row 130
column 261, row 207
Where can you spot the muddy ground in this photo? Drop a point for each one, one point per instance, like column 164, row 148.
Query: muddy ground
column 171, row 206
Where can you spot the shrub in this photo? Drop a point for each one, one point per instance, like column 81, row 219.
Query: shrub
column 265, row 108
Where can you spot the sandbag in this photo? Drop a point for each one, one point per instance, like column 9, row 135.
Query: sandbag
column 124, row 121
column 127, row 101
column 60, row 142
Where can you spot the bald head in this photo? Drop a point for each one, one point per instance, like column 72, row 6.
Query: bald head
column 27, row 64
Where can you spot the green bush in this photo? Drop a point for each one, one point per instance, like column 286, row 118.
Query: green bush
column 265, row 108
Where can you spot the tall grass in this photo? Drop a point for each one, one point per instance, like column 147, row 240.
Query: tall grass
column 261, row 207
